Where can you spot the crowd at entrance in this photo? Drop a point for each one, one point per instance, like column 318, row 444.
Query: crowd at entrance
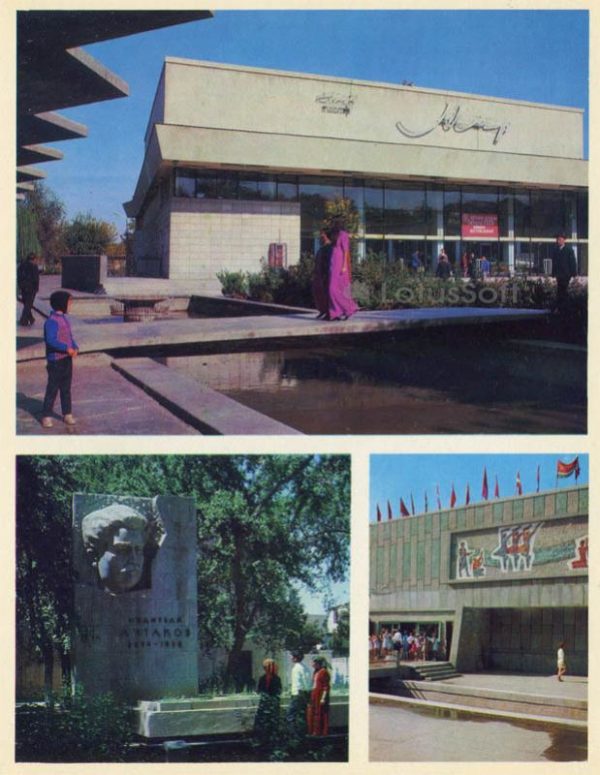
column 407, row 645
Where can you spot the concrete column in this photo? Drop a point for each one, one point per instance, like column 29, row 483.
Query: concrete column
column 511, row 234
column 439, row 226
column 454, row 652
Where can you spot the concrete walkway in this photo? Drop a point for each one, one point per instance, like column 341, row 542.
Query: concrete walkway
column 540, row 698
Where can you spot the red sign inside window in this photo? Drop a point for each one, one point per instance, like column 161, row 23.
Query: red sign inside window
column 477, row 225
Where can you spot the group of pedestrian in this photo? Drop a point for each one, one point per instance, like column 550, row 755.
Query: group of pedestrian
column 332, row 277
column 470, row 267
column 407, row 645
column 308, row 710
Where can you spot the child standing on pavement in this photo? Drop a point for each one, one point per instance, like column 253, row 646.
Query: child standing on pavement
column 61, row 348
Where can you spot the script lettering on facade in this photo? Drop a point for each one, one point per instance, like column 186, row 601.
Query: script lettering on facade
column 335, row 103
column 452, row 118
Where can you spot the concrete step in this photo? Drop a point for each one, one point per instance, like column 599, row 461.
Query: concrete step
column 435, row 671
column 548, row 705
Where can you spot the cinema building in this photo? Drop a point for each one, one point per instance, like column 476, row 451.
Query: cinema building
column 502, row 582
column 240, row 162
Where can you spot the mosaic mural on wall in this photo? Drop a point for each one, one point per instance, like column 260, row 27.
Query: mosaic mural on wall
column 580, row 560
column 536, row 548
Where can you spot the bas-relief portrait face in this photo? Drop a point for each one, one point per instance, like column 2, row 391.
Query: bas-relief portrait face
column 119, row 542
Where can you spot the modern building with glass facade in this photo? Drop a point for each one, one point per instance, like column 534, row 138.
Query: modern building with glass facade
column 239, row 161
column 502, row 582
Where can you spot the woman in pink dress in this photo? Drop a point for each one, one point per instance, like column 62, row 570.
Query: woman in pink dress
column 341, row 303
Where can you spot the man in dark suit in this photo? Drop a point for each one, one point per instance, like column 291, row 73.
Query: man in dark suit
column 564, row 266
column 28, row 280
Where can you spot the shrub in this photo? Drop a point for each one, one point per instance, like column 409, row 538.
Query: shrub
column 233, row 283
column 77, row 728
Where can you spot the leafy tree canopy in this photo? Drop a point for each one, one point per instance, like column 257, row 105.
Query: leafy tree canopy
column 88, row 235
column 265, row 522
column 47, row 212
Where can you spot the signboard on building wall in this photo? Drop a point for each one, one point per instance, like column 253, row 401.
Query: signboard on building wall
column 278, row 255
column 479, row 225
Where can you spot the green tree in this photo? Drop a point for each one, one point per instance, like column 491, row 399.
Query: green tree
column 340, row 642
column 27, row 239
column 49, row 212
column 344, row 209
column 88, row 235
column 304, row 636
column 43, row 567
column 265, row 523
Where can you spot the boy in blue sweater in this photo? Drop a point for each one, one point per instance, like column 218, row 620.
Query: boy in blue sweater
column 61, row 348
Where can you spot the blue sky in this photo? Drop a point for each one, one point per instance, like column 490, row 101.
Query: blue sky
column 540, row 56
column 395, row 476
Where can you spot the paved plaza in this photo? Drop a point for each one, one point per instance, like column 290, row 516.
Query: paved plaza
column 405, row 734
column 404, row 729
column 144, row 397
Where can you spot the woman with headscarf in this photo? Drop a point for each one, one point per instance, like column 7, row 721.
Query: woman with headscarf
column 267, row 721
column 318, row 708
column 341, row 303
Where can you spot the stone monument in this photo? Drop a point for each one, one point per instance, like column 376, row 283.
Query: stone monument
column 136, row 629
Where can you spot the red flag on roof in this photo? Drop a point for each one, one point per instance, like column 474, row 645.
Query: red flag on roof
column 378, row 513
column 497, row 489
column 403, row 510
column 468, row 496
column 389, row 510
column 484, row 486
column 453, row 497
column 564, row 470
column 519, row 485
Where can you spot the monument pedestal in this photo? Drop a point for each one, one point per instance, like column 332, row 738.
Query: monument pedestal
column 217, row 716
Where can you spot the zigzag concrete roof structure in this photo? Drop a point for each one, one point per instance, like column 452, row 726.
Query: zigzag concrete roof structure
column 54, row 73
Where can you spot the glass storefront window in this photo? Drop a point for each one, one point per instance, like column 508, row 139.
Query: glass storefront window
column 355, row 192
column 582, row 214
column 308, row 243
column 206, row 186
column 435, row 211
column 314, row 192
column 570, row 212
column 404, row 209
column 451, row 213
column 582, row 258
column 255, row 186
column 375, row 246
column 287, row 188
column 395, row 216
column 373, row 194
column 514, row 213
column 480, row 200
column 547, row 214
column 540, row 251
column 267, row 188
column 185, row 184
column 522, row 211
column 226, row 185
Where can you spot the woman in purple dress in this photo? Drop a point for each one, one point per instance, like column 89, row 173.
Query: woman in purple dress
column 341, row 303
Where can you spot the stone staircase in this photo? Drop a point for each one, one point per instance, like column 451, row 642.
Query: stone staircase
column 434, row 671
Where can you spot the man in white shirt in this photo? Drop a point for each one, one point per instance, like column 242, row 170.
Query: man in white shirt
column 301, row 682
